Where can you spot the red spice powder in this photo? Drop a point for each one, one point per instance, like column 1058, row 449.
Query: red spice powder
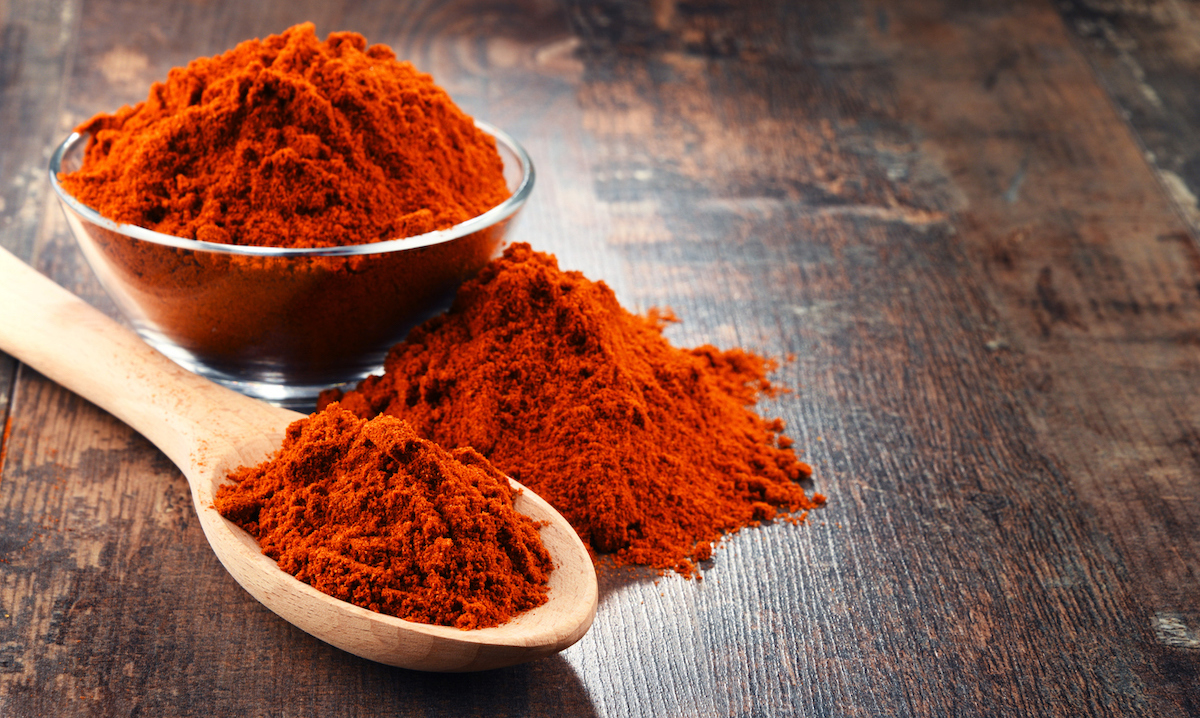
column 291, row 142
column 287, row 142
column 368, row 512
column 651, row 452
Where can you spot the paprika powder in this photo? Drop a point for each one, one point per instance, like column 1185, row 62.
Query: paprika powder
column 651, row 452
column 292, row 158
column 291, row 142
column 368, row 512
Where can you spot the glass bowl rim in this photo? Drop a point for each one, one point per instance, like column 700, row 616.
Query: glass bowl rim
column 496, row 214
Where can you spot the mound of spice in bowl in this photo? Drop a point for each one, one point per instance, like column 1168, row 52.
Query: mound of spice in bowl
column 651, row 452
column 277, row 216
column 291, row 142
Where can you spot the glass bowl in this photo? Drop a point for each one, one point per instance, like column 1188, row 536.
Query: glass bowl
column 284, row 324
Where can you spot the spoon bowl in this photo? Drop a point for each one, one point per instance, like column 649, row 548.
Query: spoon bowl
column 209, row 431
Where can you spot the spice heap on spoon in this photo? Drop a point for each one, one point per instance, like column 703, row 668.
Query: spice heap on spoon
column 368, row 512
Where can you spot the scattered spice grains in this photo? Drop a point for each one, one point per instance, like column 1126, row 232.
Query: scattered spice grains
column 368, row 512
column 651, row 452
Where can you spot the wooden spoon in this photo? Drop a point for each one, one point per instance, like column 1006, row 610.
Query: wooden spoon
column 208, row 431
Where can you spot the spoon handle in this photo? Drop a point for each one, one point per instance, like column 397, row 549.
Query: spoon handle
column 76, row 345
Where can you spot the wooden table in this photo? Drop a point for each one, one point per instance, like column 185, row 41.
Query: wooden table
column 974, row 227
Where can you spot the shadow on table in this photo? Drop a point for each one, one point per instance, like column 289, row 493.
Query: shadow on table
column 549, row 687
column 611, row 578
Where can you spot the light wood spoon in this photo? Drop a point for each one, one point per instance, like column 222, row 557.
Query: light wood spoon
column 208, row 431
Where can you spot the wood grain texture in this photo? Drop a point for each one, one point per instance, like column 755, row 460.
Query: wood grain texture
column 937, row 207
column 1146, row 55
column 1091, row 273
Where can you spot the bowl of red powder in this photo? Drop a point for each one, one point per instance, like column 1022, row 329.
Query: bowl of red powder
column 275, row 218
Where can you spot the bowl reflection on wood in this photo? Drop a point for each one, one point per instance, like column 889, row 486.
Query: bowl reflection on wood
column 284, row 324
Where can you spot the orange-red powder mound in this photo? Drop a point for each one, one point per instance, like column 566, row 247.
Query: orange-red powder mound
column 291, row 142
column 368, row 512
column 651, row 452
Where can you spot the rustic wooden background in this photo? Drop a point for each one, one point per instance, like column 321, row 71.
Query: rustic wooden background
column 973, row 223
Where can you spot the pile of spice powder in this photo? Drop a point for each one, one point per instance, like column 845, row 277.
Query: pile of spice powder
column 651, row 452
column 370, row 513
column 291, row 142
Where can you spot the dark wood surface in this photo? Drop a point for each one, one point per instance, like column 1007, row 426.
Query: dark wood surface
column 974, row 226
